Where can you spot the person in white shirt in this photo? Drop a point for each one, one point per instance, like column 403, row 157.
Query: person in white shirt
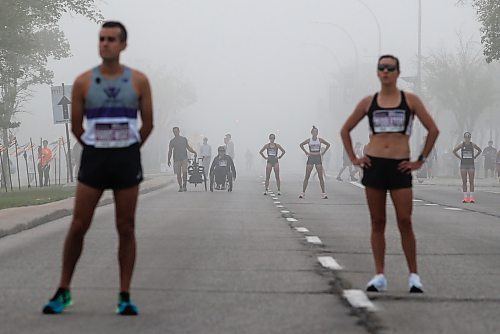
column 206, row 154
column 229, row 146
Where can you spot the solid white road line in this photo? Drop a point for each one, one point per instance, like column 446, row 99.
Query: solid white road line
column 454, row 209
column 329, row 262
column 314, row 240
column 358, row 299
column 359, row 185
column 291, row 220
column 301, row 229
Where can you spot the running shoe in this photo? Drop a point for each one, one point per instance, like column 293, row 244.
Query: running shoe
column 338, row 178
column 377, row 284
column 184, row 189
column 302, row 195
column 180, row 190
column 466, row 200
column 471, row 200
column 324, row 196
column 59, row 302
column 414, row 284
column 265, row 192
column 353, row 179
column 125, row 306
column 279, row 193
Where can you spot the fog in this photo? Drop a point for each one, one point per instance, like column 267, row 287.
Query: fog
column 256, row 67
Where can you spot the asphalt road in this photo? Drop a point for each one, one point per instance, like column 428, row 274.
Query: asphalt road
column 230, row 263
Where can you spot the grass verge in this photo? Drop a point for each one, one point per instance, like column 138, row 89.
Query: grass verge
column 34, row 196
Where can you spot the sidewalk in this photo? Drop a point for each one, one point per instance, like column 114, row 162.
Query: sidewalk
column 14, row 220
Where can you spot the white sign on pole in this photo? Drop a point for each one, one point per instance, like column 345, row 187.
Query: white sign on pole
column 61, row 99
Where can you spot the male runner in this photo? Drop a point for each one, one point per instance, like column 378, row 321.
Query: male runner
column 179, row 146
column 109, row 97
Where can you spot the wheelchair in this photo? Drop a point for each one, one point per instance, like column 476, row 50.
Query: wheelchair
column 221, row 179
column 196, row 172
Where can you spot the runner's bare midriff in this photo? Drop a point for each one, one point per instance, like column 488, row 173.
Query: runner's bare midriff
column 389, row 145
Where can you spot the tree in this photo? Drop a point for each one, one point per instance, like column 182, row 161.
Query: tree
column 29, row 36
column 488, row 12
column 461, row 83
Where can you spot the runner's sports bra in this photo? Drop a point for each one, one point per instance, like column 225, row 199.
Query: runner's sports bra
column 314, row 145
column 467, row 151
column 390, row 120
column 272, row 151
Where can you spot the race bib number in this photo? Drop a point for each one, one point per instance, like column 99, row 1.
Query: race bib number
column 272, row 152
column 111, row 135
column 222, row 163
column 389, row 120
column 314, row 148
column 467, row 155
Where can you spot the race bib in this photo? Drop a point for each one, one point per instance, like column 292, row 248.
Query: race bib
column 389, row 120
column 314, row 147
column 111, row 135
column 467, row 155
column 222, row 163
column 272, row 152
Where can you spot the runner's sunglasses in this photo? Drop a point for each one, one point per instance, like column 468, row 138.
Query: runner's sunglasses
column 388, row 67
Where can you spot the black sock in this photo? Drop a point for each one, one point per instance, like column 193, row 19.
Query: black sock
column 59, row 292
column 125, row 296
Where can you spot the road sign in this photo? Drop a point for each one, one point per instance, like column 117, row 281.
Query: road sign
column 61, row 99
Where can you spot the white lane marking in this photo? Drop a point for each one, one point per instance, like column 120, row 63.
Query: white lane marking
column 454, row 209
column 329, row 262
column 263, row 182
column 291, row 220
column 359, row 185
column 417, row 200
column 358, row 299
column 279, row 206
column 314, row 240
column 275, row 198
column 301, row 229
column 277, row 202
column 493, row 192
column 431, row 204
column 285, row 211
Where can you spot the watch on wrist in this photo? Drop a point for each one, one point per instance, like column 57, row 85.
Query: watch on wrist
column 421, row 158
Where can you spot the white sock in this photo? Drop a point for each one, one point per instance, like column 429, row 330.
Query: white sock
column 465, row 194
column 471, row 194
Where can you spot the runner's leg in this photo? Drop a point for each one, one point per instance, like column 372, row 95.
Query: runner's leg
column 376, row 199
column 309, row 169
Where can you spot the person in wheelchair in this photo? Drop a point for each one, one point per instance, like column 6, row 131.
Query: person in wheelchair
column 222, row 170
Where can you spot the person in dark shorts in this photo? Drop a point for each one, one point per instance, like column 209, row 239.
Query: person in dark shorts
column 179, row 146
column 272, row 149
column 467, row 166
column 490, row 156
column 314, row 159
column 110, row 97
column 387, row 166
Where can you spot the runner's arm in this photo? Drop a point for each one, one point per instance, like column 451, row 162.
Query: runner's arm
column 282, row 151
column 302, row 146
column 262, row 151
column 427, row 121
column 77, row 106
column 145, row 106
column 345, row 133
column 327, row 144
column 456, row 149
column 478, row 150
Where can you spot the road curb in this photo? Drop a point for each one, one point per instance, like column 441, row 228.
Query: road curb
column 61, row 213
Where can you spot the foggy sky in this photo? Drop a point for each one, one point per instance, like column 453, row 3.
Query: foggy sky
column 257, row 66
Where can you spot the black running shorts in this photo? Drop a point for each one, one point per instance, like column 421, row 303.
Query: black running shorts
column 272, row 160
column 384, row 174
column 314, row 160
column 111, row 168
column 467, row 164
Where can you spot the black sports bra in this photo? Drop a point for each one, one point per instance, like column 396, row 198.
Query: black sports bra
column 390, row 120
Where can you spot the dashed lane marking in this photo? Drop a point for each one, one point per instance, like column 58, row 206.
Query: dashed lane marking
column 359, row 185
column 291, row 220
column 301, row 229
column 285, row 211
column 431, row 204
column 329, row 262
column 279, row 206
column 314, row 240
column 454, row 209
column 358, row 299
column 277, row 202
column 417, row 200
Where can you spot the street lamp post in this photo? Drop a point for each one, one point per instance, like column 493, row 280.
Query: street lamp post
column 378, row 26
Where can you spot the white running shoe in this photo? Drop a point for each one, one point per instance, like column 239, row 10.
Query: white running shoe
column 377, row 284
column 324, row 196
column 302, row 195
column 414, row 284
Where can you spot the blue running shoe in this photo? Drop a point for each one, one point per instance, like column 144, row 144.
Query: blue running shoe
column 59, row 302
column 125, row 306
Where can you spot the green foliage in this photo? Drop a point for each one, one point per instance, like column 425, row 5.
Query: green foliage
column 488, row 12
column 29, row 37
column 462, row 83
